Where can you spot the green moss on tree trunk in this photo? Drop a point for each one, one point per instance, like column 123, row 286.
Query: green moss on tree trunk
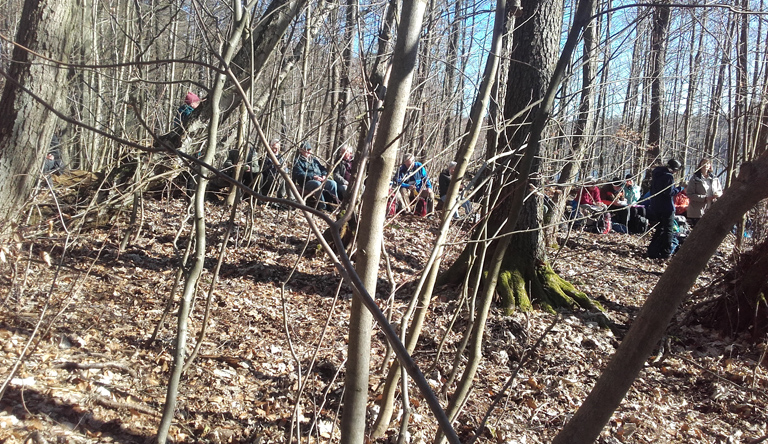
column 521, row 286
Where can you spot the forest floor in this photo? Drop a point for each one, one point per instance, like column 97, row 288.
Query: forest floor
column 92, row 378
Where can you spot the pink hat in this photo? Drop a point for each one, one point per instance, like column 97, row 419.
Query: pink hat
column 191, row 98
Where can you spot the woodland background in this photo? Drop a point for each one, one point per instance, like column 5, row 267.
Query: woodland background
column 595, row 88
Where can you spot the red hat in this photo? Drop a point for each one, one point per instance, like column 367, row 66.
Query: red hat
column 191, row 98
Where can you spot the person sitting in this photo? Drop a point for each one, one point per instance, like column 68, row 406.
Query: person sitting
column 681, row 200
column 53, row 163
column 191, row 101
column 250, row 167
column 342, row 174
column 309, row 175
column 703, row 188
column 590, row 193
column 444, row 181
column 631, row 191
column 270, row 173
column 589, row 204
column 612, row 195
column 662, row 210
column 414, row 185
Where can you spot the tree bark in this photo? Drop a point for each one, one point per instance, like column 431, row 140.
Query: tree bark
column 373, row 214
column 657, row 62
column 33, row 91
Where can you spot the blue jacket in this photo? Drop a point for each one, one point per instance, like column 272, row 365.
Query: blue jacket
column 416, row 175
column 305, row 169
column 182, row 114
column 662, row 192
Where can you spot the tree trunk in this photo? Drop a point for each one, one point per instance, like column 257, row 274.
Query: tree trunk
column 693, row 83
column 584, row 122
column 536, row 45
column 33, row 89
column 657, row 62
column 713, row 117
column 373, row 214
column 427, row 282
column 345, row 98
column 195, row 271
column 515, row 202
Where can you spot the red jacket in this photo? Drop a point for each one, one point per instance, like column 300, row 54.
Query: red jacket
column 589, row 196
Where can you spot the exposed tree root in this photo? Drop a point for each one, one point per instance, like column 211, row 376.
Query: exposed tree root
column 742, row 304
column 523, row 285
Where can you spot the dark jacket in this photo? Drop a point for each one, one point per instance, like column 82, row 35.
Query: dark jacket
column 444, row 181
column 269, row 168
column 416, row 175
column 53, row 166
column 305, row 169
column 662, row 189
column 343, row 172
column 251, row 163
column 609, row 195
column 182, row 115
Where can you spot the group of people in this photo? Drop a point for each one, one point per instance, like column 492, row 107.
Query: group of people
column 414, row 191
column 325, row 190
column 309, row 174
column 622, row 206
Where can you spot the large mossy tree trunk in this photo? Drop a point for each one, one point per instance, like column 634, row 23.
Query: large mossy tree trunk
column 525, row 277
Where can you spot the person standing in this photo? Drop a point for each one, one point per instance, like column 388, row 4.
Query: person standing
column 703, row 189
column 662, row 210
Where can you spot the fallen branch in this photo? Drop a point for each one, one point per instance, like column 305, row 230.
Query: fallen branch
column 97, row 365
column 125, row 405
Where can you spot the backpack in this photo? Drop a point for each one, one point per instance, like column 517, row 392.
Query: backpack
column 637, row 225
column 600, row 223
column 421, row 208
column 681, row 202
column 391, row 207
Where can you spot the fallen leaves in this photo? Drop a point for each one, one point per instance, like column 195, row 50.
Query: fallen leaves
column 243, row 386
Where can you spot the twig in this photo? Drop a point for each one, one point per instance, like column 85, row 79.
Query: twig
column 36, row 438
column 69, row 365
column 214, row 280
column 722, row 379
column 759, row 361
column 512, row 377
column 125, row 405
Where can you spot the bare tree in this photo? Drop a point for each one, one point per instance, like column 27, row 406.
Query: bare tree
column 383, row 157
